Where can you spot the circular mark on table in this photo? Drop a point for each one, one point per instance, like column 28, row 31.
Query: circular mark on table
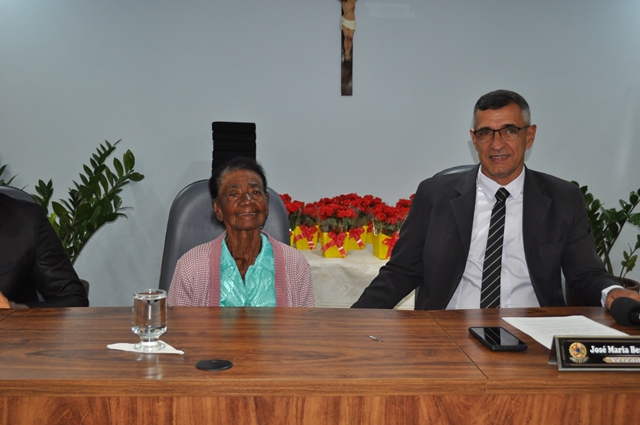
column 214, row 364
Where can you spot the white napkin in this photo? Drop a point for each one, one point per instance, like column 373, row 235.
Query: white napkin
column 129, row 347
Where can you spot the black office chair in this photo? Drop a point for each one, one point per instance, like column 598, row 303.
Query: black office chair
column 456, row 169
column 191, row 223
column 16, row 193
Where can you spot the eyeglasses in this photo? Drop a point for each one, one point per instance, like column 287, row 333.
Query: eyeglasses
column 507, row 134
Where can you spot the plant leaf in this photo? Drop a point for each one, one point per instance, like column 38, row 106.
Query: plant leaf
column 118, row 166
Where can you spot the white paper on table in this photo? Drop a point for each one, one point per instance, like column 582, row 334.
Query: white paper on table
column 542, row 329
column 167, row 349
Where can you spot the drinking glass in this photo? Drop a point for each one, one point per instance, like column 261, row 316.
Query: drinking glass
column 149, row 320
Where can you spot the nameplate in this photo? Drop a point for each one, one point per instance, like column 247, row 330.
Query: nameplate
column 597, row 353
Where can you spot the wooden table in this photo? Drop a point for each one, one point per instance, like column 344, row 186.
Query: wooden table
column 298, row 366
column 522, row 388
column 5, row 313
column 293, row 366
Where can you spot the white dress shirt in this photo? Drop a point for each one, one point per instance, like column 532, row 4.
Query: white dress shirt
column 516, row 289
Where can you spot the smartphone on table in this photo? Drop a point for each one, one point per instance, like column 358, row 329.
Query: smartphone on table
column 497, row 338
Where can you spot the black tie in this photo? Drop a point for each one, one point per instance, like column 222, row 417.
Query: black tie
column 490, row 295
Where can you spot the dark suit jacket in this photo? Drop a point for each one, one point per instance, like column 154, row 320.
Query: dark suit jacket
column 32, row 259
column 434, row 242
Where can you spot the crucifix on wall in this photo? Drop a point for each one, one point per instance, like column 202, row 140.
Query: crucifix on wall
column 348, row 28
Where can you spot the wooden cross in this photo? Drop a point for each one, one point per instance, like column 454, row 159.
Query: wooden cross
column 348, row 28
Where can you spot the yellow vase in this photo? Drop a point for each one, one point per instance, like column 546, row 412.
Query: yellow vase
column 383, row 245
column 333, row 244
column 368, row 237
column 305, row 237
column 355, row 239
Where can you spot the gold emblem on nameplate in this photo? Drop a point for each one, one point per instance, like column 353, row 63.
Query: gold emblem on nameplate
column 578, row 352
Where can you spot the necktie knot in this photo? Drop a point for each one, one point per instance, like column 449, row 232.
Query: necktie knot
column 502, row 194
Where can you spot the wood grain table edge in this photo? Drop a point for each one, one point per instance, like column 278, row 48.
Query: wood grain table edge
column 172, row 388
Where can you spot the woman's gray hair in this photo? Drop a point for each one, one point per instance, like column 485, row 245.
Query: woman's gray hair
column 235, row 164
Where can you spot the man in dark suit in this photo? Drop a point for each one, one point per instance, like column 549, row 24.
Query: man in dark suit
column 33, row 261
column 441, row 249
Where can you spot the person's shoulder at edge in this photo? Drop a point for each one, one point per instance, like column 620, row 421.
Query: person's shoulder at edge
column 554, row 187
column 33, row 217
column 551, row 180
column 25, row 207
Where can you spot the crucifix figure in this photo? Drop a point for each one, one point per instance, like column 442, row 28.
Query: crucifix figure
column 348, row 27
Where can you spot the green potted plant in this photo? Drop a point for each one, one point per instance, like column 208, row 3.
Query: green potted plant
column 607, row 225
column 4, row 182
column 93, row 202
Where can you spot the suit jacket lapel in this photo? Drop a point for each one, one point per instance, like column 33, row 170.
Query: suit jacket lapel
column 535, row 206
column 463, row 207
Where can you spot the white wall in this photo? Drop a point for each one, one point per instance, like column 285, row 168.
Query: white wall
column 156, row 74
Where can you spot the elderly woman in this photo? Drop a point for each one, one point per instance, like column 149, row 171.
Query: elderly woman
column 244, row 266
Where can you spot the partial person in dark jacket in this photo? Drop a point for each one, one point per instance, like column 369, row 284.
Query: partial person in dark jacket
column 32, row 260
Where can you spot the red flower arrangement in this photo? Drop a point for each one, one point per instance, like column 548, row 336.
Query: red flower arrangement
column 308, row 226
column 361, row 206
column 309, row 215
column 387, row 220
column 333, row 216
column 345, row 215
column 304, row 216
column 368, row 203
column 294, row 210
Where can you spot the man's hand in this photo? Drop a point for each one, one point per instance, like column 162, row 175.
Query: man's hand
column 4, row 302
column 615, row 293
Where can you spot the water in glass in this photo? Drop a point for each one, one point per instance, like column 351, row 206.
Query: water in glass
column 149, row 319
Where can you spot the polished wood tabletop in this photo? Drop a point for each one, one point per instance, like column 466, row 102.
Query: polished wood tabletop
column 524, row 386
column 294, row 365
column 279, row 351
column 530, row 370
column 5, row 313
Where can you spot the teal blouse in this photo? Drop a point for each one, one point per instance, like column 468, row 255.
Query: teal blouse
column 258, row 288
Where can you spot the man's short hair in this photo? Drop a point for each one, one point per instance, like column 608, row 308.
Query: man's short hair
column 499, row 99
